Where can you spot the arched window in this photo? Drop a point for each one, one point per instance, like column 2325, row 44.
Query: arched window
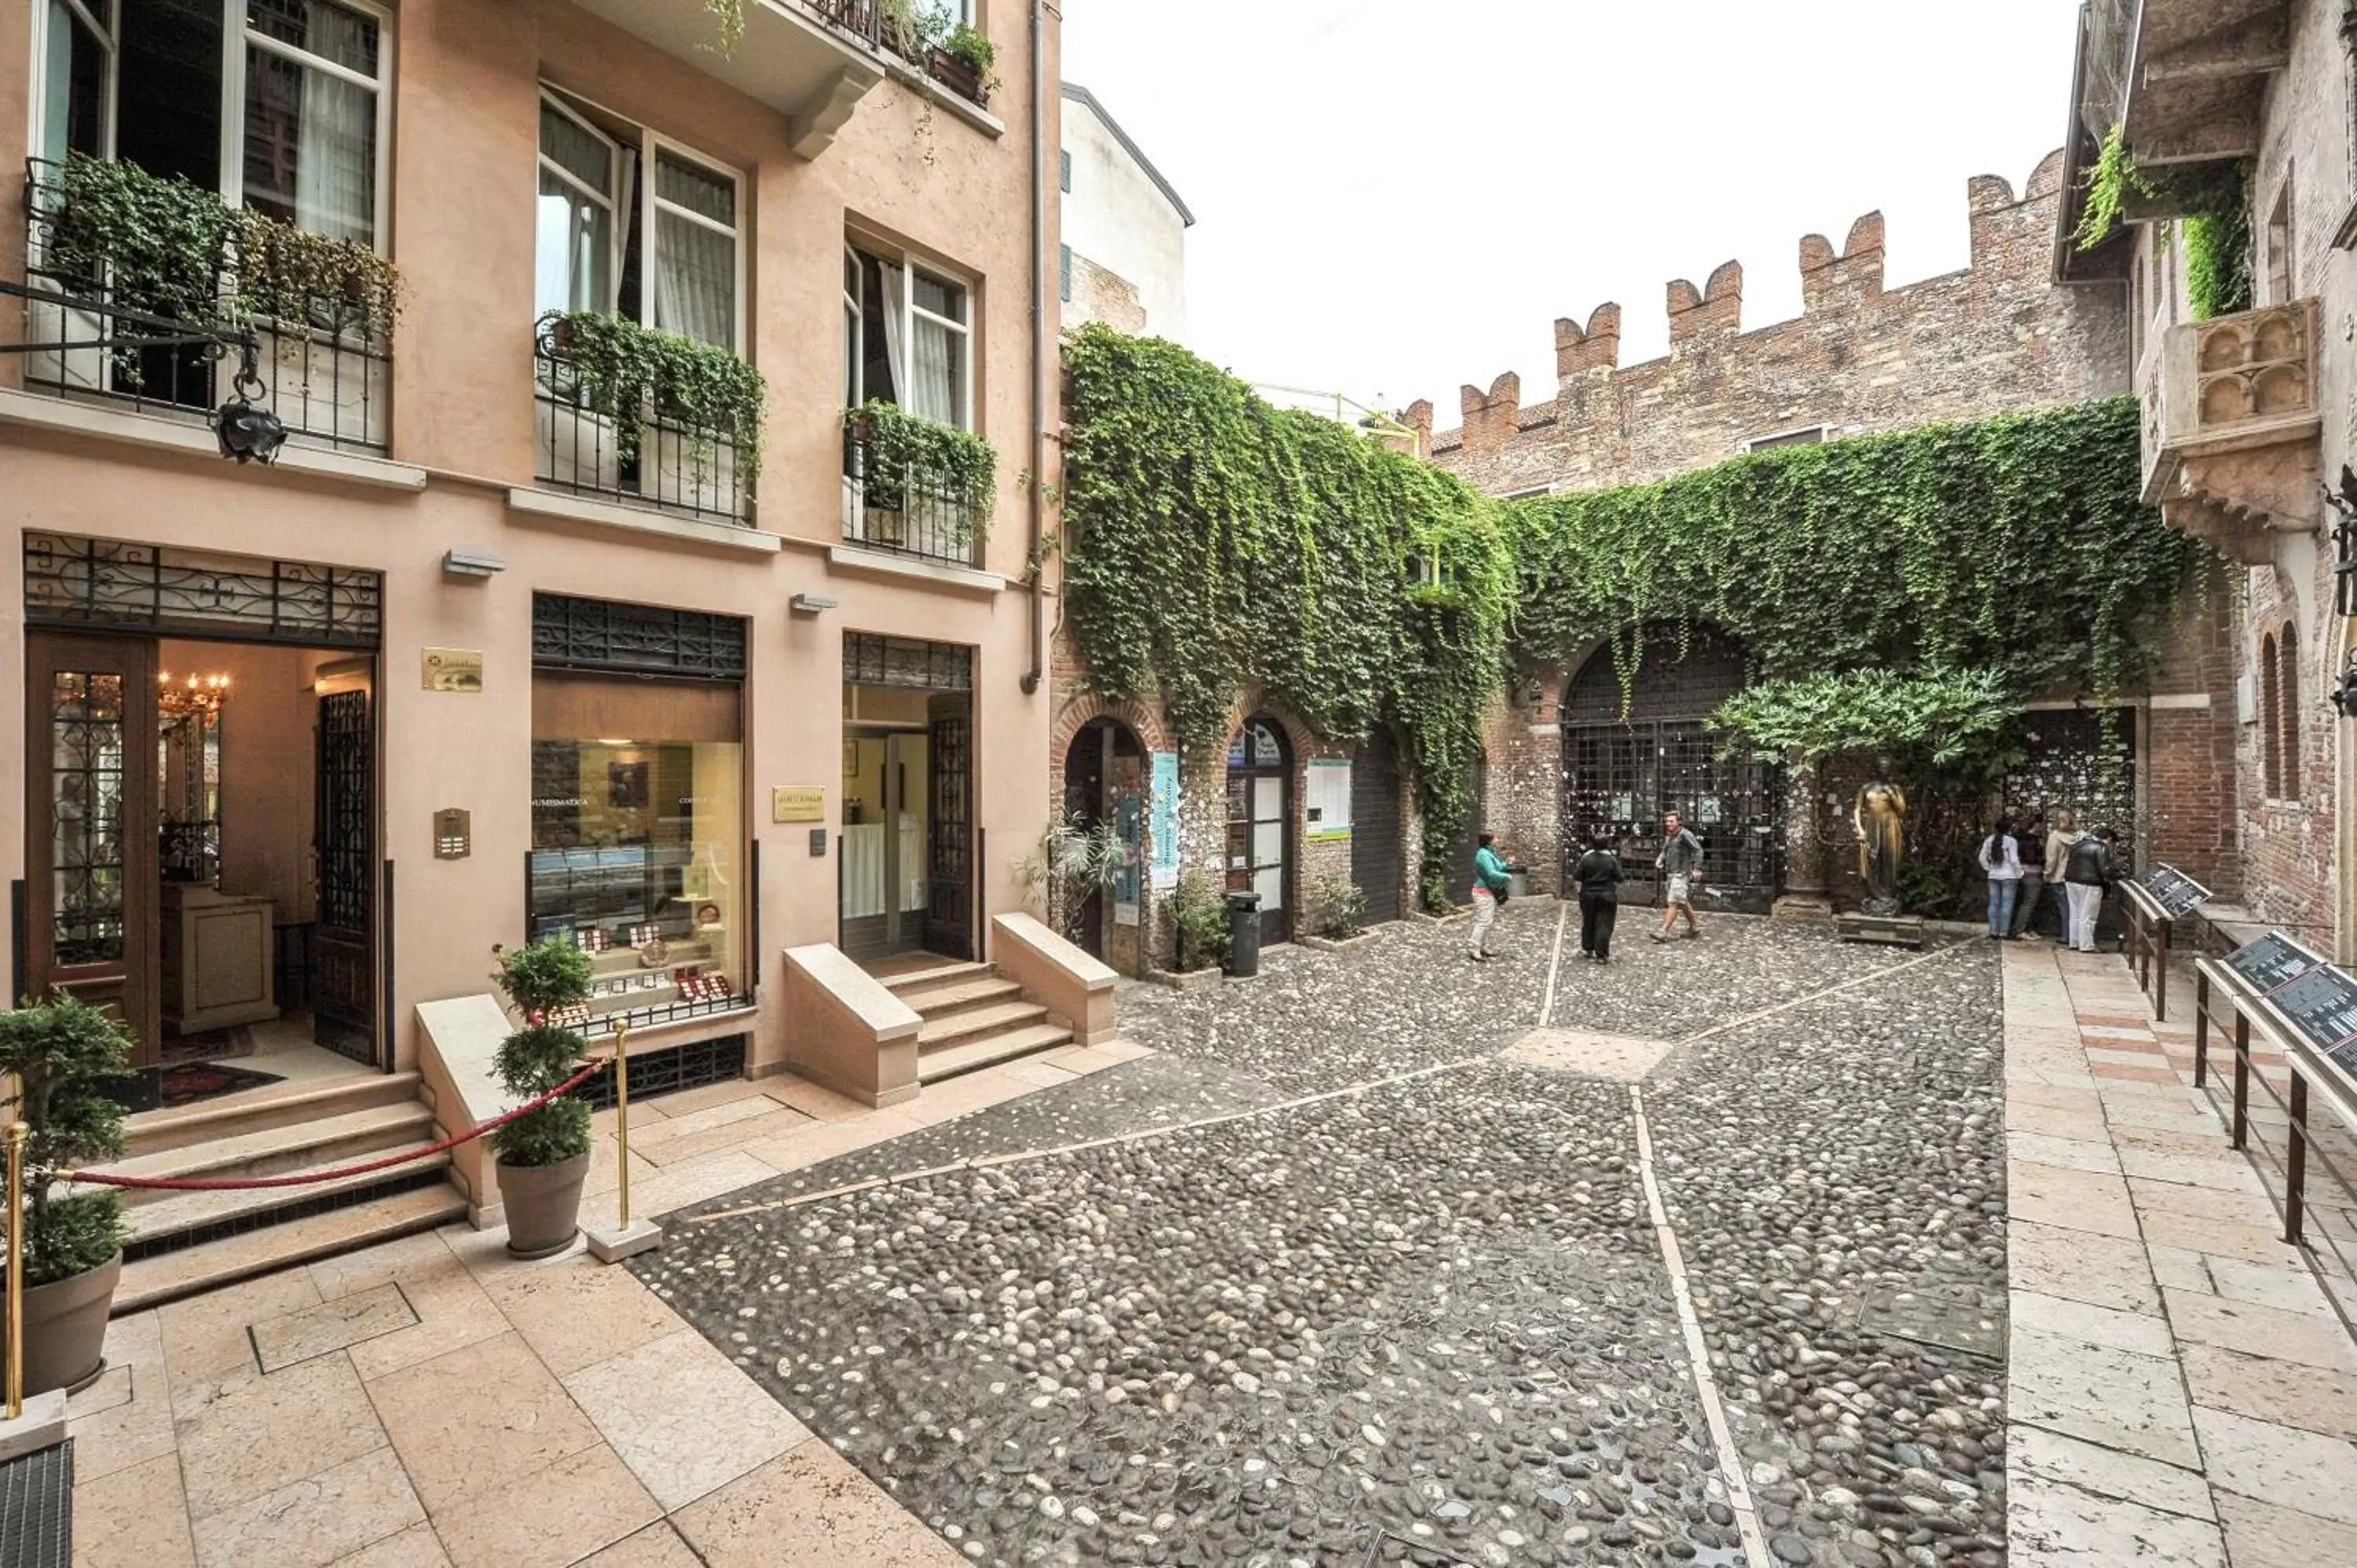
column 2287, row 714
column 2270, row 720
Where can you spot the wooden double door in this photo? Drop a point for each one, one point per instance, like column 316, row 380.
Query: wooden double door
column 93, row 872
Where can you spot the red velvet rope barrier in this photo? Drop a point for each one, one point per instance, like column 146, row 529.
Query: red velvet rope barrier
column 225, row 1184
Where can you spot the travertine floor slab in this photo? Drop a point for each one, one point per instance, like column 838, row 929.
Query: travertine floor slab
column 1621, row 1058
column 2181, row 1391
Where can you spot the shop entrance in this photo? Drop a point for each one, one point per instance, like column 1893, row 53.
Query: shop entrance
column 908, row 843
column 202, row 852
column 1260, row 822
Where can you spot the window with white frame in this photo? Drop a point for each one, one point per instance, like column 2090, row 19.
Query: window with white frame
column 907, row 338
column 666, row 251
column 279, row 105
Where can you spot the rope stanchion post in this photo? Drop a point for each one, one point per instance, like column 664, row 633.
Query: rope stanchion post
column 630, row 1238
column 17, row 1132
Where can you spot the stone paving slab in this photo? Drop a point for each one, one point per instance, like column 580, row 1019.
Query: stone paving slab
column 2180, row 1391
column 1619, row 1057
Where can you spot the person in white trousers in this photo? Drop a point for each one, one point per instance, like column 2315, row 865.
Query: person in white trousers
column 2085, row 874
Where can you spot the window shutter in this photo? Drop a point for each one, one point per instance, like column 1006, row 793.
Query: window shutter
column 1064, row 171
column 1066, row 260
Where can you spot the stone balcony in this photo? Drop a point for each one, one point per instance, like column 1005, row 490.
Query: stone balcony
column 812, row 60
column 2232, row 427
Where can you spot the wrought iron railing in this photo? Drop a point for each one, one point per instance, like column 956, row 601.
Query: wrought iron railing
column 860, row 18
column 908, row 513
column 658, row 462
column 324, row 360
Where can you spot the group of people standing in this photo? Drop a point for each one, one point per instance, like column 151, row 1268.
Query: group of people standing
column 2027, row 860
column 1596, row 878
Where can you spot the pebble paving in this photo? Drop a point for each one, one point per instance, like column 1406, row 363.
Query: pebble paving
column 1425, row 1320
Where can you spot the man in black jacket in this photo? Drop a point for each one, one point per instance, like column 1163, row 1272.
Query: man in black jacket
column 1598, row 879
column 2085, row 874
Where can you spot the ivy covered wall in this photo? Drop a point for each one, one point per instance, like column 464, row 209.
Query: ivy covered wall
column 1216, row 545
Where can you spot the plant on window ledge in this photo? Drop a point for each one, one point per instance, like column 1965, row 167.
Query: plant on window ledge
column 626, row 371
column 964, row 59
column 912, row 30
column 171, row 248
column 906, row 450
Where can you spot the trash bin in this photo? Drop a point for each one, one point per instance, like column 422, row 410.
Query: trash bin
column 1243, row 935
column 1518, row 882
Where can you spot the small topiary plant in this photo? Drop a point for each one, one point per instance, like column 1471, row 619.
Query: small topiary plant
column 62, row 1052
column 540, row 981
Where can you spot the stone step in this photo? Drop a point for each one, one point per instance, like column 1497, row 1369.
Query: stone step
column 277, row 1151
column 975, row 990
column 246, row 1208
column 152, row 1132
column 947, row 974
column 988, row 1050
column 168, row 1277
column 972, row 1021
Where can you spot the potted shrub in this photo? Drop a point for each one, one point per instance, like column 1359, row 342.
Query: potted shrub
column 1073, row 861
column 962, row 63
column 1198, row 919
column 63, row 1053
column 543, row 1154
column 1338, row 908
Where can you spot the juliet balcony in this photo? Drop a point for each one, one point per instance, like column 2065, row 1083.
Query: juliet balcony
column 2232, row 427
column 154, row 297
column 641, row 418
column 914, row 487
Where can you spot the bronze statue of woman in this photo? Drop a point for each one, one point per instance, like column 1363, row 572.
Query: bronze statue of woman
column 1880, row 817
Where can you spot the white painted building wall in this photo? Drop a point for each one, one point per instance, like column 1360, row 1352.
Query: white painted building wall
column 1122, row 216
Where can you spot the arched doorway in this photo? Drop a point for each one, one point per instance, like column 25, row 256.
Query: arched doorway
column 1623, row 774
column 1260, row 822
column 1105, row 781
column 1375, row 867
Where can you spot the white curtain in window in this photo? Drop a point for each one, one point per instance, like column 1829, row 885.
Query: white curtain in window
column 932, row 378
column 335, row 169
column 695, row 280
column 895, row 315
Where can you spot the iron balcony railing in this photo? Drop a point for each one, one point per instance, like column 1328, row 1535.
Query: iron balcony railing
column 658, row 462
column 861, row 18
column 324, row 360
column 910, row 514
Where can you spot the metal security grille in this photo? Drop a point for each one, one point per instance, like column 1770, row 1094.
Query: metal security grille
column 73, row 582
column 949, row 918
column 601, row 635
column 36, row 1508
column 346, row 926
column 872, row 661
column 1623, row 775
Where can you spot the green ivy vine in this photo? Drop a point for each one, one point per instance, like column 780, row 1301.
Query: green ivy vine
column 2015, row 544
column 2218, row 253
column 1214, row 543
column 2110, row 183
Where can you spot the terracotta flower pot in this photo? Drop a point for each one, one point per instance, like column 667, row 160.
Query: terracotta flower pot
column 65, row 1327
column 544, row 1205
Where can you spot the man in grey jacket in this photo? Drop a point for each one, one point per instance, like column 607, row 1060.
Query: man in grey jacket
column 1680, row 863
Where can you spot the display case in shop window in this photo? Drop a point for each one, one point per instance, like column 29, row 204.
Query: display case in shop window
column 650, row 921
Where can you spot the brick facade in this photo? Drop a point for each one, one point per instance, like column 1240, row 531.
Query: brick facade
column 2000, row 335
column 1860, row 358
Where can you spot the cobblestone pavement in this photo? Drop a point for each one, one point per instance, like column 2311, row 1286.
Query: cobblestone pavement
column 1434, row 1306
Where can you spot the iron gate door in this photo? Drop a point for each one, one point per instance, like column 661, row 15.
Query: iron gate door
column 344, row 1020
column 948, row 888
column 1375, row 826
column 1626, row 767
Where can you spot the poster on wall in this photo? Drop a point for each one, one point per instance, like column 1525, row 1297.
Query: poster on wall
column 1166, row 821
column 1129, row 820
column 1328, row 815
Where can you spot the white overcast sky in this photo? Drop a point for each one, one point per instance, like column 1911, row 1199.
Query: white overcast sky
column 1396, row 196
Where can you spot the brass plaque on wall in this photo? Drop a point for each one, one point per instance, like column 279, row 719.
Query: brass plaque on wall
column 798, row 803
column 453, row 670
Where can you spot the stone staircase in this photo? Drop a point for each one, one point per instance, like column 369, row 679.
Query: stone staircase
column 973, row 1017
column 183, row 1242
